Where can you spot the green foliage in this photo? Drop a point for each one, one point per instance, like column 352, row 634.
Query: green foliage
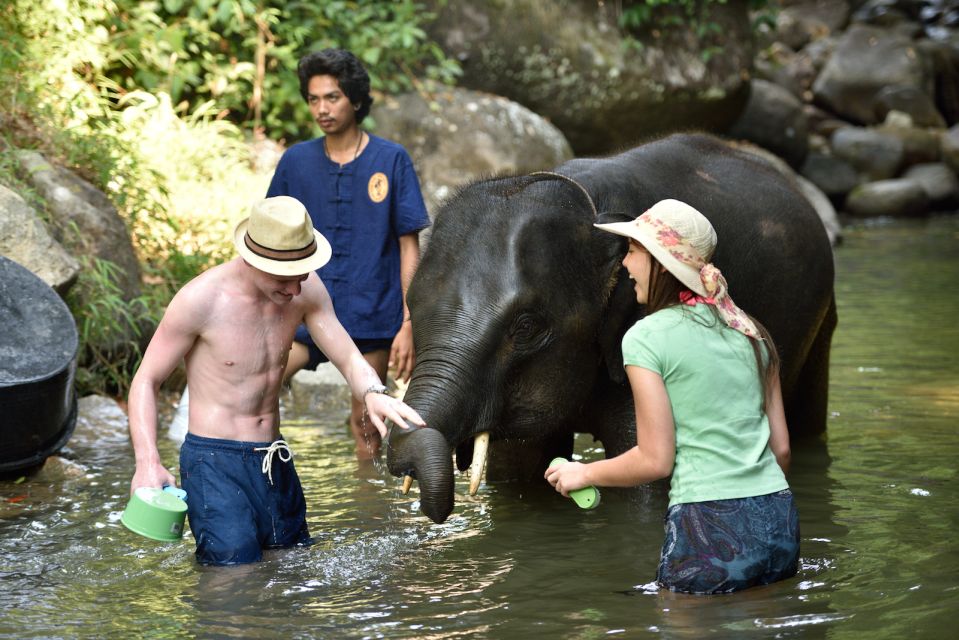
column 155, row 103
column 102, row 313
column 242, row 54
column 638, row 17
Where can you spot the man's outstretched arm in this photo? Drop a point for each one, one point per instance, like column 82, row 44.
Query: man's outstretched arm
column 330, row 336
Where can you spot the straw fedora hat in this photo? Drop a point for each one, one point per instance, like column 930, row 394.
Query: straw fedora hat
column 677, row 235
column 278, row 237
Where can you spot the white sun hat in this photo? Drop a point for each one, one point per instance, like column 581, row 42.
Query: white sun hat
column 278, row 237
column 677, row 235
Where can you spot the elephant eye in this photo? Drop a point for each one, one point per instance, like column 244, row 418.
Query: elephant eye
column 528, row 331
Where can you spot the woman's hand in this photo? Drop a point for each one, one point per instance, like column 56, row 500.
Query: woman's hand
column 567, row 476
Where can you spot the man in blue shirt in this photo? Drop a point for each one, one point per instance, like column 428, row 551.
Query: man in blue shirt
column 362, row 193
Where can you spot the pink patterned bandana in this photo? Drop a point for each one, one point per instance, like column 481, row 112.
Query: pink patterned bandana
column 732, row 315
column 683, row 251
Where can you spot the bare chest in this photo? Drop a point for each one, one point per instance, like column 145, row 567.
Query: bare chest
column 248, row 340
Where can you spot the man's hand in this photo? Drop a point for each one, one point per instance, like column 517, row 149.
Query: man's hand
column 152, row 475
column 380, row 407
column 402, row 354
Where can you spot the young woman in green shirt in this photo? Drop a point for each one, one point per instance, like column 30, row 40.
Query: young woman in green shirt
column 709, row 413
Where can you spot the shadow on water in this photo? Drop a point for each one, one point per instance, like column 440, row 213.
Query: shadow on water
column 877, row 498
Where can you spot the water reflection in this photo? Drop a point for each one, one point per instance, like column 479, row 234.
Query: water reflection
column 877, row 498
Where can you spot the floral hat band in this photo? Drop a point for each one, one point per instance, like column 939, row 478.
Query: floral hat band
column 683, row 241
column 715, row 284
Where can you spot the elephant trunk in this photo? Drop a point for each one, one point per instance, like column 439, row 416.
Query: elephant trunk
column 441, row 392
column 424, row 454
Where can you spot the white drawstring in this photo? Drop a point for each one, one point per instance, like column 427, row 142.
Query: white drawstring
column 279, row 447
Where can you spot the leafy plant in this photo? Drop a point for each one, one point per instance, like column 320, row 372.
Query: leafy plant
column 155, row 103
column 102, row 314
column 242, row 54
column 639, row 17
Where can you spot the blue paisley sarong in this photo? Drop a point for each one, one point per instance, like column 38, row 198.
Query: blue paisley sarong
column 721, row 546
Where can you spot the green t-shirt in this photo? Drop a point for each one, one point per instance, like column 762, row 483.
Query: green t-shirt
column 722, row 434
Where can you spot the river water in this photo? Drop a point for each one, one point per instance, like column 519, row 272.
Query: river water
column 878, row 501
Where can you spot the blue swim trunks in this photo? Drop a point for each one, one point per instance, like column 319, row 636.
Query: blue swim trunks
column 235, row 508
column 721, row 546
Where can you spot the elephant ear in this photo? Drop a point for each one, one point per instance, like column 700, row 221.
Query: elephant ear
column 622, row 310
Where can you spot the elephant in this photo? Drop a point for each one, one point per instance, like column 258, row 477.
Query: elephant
column 519, row 304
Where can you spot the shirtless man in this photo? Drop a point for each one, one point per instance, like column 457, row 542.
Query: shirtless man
column 234, row 325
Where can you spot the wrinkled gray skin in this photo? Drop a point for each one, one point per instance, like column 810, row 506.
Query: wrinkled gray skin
column 519, row 304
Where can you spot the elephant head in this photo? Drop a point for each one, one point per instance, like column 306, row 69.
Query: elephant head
column 508, row 304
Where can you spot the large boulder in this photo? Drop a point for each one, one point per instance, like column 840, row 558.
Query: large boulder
column 25, row 240
column 774, row 119
column 939, row 182
column 792, row 70
column 456, row 136
column 900, row 197
column 570, row 63
column 83, row 218
column 799, row 22
column 949, row 147
column 868, row 60
column 874, row 154
column 834, row 176
column 87, row 224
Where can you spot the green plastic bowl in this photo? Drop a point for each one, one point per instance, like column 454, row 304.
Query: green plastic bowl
column 585, row 498
column 156, row 514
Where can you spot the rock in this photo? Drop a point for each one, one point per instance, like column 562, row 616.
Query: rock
column 25, row 240
column 949, row 147
column 939, row 182
column 821, row 122
column 784, row 67
column 794, row 71
column 884, row 13
column 774, row 119
column 918, row 144
column 87, row 224
column 800, row 21
column 569, row 63
column 943, row 56
column 877, row 155
column 895, row 198
column 58, row 470
column 866, row 61
column 834, row 176
column 456, row 136
column 910, row 100
column 321, row 391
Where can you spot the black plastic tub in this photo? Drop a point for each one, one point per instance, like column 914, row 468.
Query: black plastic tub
column 38, row 362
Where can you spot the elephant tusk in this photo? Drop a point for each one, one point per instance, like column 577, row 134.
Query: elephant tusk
column 478, row 465
column 407, row 483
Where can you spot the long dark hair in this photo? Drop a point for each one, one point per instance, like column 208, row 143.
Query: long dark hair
column 664, row 290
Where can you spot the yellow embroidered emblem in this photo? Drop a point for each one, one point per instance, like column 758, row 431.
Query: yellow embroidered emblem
column 378, row 187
